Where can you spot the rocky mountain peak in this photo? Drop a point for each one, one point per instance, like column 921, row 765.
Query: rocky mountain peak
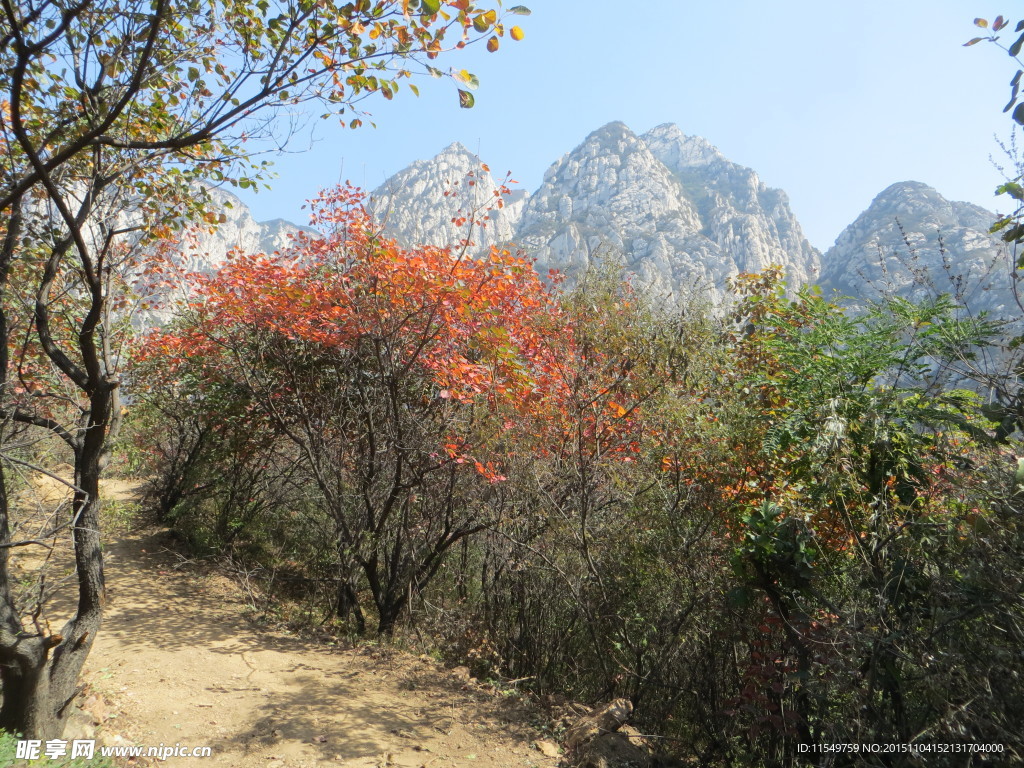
column 204, row 249
column 421, row 203
column 677, row 150
column 610, row 179
column 615, row 131
column 457, row 148
column 913, row 242
column 670, row 206
column 909, row 198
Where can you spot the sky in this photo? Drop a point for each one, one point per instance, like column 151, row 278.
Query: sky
column 831, row 102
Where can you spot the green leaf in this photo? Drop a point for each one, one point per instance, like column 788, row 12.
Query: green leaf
column 193, row 73
column 466, row 100
column 1002, row 223
column 1014, row 234
column 520, row 10
column 1011, row 188
column 740, row 597
column 431, row 7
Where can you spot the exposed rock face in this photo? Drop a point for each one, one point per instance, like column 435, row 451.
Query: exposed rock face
column 205, row 249
column 670, row 208
column 419, row 203
column 611, row 197
column 750, row 222
column 678, row 215
column 913, row 242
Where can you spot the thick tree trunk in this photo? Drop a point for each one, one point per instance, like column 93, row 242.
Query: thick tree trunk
column 26, row 693
column 390, row 611
column 40, row 673
column 38, row 687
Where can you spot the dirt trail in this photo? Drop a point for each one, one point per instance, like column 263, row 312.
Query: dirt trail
column 183, row 666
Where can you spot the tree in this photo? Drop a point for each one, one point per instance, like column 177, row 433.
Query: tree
column 1011, row 226
column 110, row 114
column 869, row 526
column 1007, row 396
column 390, row 373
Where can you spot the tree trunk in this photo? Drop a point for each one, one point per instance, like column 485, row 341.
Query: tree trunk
column 26, row 694
column 347, row 604
column 390, row 609
column 38, row 686
column 40, row 673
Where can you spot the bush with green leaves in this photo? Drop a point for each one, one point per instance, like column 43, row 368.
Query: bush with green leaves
column 876, row 519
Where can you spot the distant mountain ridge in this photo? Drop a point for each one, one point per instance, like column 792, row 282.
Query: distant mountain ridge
column 205, row 249
column 678, row 216
column 419, row 202
column 675, row 212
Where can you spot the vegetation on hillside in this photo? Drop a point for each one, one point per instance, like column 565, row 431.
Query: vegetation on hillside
column 788, row 526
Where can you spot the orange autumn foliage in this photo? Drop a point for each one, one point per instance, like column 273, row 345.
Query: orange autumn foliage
column 473, row 330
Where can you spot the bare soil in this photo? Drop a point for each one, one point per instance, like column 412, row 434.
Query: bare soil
column 177, row 663
column 183, row 666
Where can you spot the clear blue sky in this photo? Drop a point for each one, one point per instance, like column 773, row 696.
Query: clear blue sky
column 830, row 102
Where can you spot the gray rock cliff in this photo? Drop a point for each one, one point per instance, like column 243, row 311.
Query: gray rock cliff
column 670, row 208
column 751, row 222
column 205, row 248
column 913, row 242
column 418, row 204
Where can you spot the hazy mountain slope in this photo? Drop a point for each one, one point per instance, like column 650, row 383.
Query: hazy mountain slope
column 205, row 249
column 913, row 242
column 418, row 203
column 751, row 222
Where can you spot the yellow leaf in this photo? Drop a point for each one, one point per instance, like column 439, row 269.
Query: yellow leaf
column 516, row 33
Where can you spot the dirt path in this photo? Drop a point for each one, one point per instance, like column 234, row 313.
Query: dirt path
column 183, row 666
